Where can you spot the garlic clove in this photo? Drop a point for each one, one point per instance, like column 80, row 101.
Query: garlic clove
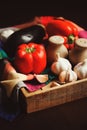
column 67, row 76
column 62, row 76
column 72, row 76
column 55, row 68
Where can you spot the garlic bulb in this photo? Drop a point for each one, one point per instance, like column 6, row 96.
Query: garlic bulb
column 60, row 65
column 81, row 69
column 67, row 76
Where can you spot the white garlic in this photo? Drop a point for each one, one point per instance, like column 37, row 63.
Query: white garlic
column 67, row 76
column 60, row 65
column 81, row 69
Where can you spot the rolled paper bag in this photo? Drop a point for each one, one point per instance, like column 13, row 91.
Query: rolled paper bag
column 10, row 78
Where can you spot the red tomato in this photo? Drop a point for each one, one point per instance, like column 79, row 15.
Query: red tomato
column 30, row 58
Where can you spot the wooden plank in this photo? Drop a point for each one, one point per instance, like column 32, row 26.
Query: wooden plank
column 52, row 95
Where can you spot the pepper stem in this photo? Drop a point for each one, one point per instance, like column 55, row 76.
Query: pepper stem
column 30, row 49
column 71, row 39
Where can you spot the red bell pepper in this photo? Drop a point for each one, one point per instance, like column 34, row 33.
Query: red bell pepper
column 62, row 27
column 67, row 45
column 46, row 19
column 30, row 58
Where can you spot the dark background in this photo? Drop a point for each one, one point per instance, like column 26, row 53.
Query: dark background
column 17, row 12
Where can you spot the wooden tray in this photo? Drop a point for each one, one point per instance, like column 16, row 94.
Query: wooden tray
column 53, row 95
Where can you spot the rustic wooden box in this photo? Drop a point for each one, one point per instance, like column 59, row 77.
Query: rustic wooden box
column 53, row 95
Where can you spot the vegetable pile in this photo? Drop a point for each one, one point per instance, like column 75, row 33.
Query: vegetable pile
column 26, row 48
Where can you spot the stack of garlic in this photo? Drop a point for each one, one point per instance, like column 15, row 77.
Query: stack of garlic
column 63, row 68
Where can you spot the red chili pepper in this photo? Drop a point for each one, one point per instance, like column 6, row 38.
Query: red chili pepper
column 30, row 58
